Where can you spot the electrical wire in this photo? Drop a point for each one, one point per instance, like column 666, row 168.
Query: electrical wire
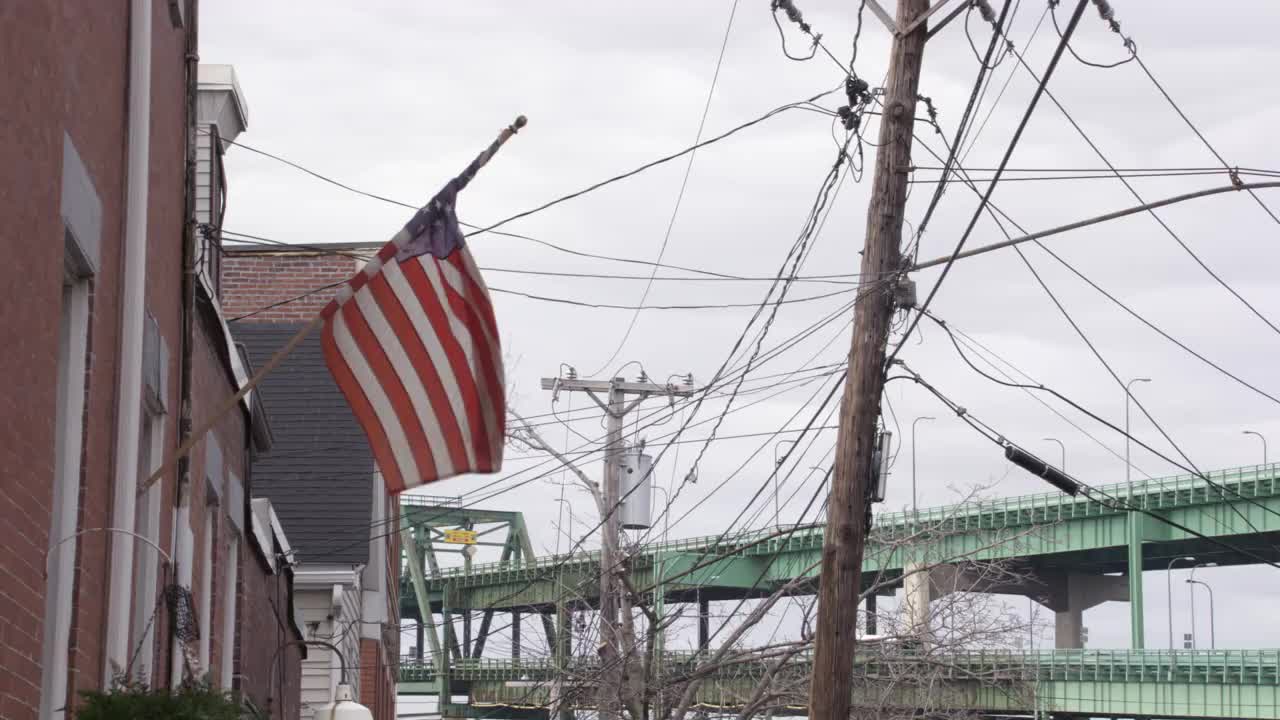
column 1004, row 161
column 1091, row 492
column 684, row 184
column 1132, row 191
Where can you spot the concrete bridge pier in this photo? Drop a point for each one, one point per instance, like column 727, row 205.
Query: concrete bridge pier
column 1070, row 594
column 1067, row 594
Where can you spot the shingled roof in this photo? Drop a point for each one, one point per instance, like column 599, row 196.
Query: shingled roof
column 319, row 470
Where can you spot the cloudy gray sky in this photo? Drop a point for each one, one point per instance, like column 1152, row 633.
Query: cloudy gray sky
column 395, row 97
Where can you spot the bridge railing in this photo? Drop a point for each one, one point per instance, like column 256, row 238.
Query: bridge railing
column 1229, row 667
column 1150, row 493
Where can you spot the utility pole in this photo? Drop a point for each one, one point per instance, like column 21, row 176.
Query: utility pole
column 615, row 405
column 840, row 584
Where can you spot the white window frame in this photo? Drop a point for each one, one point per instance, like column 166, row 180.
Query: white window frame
column 63, row 543
column 229, row 611
column 206, row 581
column 147, row 559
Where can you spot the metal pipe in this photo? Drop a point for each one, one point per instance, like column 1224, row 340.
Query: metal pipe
column 1093, row 221
column 914, row 509
column 1168, row 578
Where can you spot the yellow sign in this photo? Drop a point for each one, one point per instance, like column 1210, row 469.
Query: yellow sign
column 460, row 537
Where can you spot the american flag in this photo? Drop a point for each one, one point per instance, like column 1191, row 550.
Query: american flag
column 412, row 343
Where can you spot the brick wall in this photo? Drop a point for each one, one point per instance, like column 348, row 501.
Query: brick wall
column 264, row 628
column 254, row 279
column 66, row 72
column 377, row 679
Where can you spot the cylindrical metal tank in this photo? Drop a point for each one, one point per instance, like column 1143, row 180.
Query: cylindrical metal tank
column 636, row 485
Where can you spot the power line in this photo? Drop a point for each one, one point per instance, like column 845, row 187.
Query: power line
column 706, row 275
column 966, row 415
column 1004, row 161
column 649, row 165
column 684, row 183
column 1097, row 354
column 973, row 139
column 963, row 125
column 1128, row 186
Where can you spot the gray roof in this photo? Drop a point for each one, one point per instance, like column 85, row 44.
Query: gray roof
column 319, row 471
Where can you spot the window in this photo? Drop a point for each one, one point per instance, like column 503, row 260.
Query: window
column 68, row 439
column 205, row 603
column 229, row 611
column 147, row 559
column 82, row 230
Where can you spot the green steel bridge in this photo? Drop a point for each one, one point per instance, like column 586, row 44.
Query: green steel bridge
column 1071, row 553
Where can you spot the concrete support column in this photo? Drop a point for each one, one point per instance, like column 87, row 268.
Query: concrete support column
column 871, row 614
column 515, row 635
column 1068, row 628
column 916, row 592
column 1073, row 593
column 704, row 624
column 1137, row 632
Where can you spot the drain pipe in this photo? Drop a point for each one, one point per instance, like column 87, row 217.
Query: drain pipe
column 132, row 304
column 182, row 538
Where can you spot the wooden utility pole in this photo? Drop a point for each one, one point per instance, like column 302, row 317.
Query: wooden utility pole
column 613, row 676
column 830, row 686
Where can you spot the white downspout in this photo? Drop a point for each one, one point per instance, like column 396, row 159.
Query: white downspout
column 133, row 303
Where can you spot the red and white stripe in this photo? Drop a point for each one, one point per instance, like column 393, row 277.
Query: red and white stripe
column 413, row 346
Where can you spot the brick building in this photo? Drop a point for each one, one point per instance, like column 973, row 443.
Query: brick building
column 106, row 339
column 321, row 476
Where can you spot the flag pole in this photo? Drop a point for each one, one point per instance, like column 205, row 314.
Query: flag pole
column 293, row 342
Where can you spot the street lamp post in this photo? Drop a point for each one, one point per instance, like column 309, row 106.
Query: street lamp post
column 1213, row 633
column 1063, row 448
column 666, row 512
column 1191, row 582
column 1264, row 443
column 568, row 505
column 914, row 508
column 777, row 465
column 1168, row 577
column 1128, row 395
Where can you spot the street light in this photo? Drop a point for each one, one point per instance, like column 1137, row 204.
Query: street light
column 1213, row 633
column 1128, row 395
column 344, row 706
column 666, row 512
column 568, row 505
column 1168, row 577
column 777, row 464
column 1264, row 443
column 1063, row 448
column 1192, row 581
column 914, row 509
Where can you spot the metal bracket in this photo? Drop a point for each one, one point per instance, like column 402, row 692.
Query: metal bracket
column 893, row 26
column 884, row 16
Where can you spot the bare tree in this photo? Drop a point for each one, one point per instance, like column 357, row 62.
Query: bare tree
column 913, row 666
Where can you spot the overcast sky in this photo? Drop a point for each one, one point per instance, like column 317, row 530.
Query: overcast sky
column 395, row 97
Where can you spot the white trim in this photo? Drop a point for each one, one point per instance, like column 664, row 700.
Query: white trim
column 147, row 556
column 132, row 301
column 184, row 544
column 229, row 611
column 322, row 578
column 68, row 443
column 205, row 603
